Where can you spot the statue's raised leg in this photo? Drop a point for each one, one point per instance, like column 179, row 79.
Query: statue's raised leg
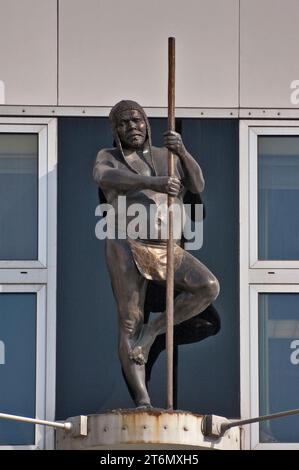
column 198, row 289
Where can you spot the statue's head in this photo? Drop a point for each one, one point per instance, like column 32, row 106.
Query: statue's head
column 130, row 125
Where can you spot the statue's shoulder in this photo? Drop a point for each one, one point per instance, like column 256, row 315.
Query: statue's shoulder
column 156, row 149
column 159, row 152
column 160, row 156
column 105, row 155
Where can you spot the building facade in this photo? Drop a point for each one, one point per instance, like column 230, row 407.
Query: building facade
column 63, row 64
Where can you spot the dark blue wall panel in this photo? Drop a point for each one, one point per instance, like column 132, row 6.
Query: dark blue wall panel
column 89, row 377
column 212, row 366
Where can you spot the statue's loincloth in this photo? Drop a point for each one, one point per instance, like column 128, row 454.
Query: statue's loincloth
column 151, row 258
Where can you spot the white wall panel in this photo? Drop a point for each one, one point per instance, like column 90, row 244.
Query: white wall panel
column 113, row 49
column 28, row 52
column 268, row 52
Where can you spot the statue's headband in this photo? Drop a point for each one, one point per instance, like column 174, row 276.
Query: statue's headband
column 125, row 105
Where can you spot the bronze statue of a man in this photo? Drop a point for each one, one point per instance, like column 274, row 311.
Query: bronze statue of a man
column 138, row 170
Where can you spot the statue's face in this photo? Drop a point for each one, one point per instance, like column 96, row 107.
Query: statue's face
column 131, row 128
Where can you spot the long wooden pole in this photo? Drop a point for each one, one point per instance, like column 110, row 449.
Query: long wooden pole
column 170, row 256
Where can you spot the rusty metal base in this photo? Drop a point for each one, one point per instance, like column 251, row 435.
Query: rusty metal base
column 146, row 429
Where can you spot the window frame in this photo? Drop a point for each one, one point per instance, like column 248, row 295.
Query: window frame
column 42, row 132
column 40, row 366
column 256, row 275
column 255, row 290
column 254, row 133
column 40, row 275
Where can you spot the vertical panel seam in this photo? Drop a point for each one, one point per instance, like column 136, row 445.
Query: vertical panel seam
column 239, row 57
column 57, row 53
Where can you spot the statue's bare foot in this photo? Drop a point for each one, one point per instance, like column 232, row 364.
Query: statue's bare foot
column 143, row 406
column 141, row 349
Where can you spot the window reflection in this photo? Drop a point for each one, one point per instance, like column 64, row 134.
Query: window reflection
column 18, row 367
column 278, row 197
column 279, row 365
column 18, row 196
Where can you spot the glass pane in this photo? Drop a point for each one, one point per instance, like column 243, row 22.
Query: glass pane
column 279, row 365
column 17, row 366
column 18, row 196
column 278, row 197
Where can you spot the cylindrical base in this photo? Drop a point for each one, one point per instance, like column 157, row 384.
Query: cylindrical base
column 146, row 429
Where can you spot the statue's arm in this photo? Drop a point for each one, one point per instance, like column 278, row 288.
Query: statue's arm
column 194, row 180
column 193, row 177
column 107, row 176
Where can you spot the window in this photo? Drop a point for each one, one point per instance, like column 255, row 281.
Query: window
column 22, row 326
column 269, row 280
column 23, row 191
column 18, row 196
column 274, row 196
column 27, row 278
column 275, row 361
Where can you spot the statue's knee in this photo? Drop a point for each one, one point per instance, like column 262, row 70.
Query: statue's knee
column 212, row 288
column 124, row 342
column 130, row 323
column 209, row 289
